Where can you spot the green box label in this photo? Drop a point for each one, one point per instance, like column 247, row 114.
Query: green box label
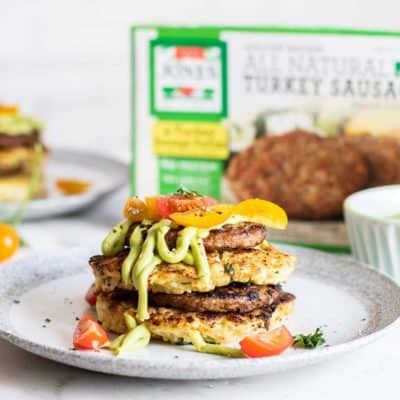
column 203, row 176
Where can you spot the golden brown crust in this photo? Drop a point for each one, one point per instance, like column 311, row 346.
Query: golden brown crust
column 173, row 326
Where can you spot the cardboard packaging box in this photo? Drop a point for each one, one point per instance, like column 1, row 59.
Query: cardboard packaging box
column 300, row 116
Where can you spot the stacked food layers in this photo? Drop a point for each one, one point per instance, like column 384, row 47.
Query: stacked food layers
column 19, row 135
column 182, row 263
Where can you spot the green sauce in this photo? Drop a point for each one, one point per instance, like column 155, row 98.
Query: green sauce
column 137, row 337
column 115, row 240
column 135, row 243
column 145, row 255
column 33, row 185
column 19, row 125
column 203, row 347
column 183, row 241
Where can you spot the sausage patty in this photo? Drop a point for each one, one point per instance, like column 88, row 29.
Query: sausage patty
column 236, row 297
column 309, row 176
column 382, row 155
column 26, row 140
column 243, row 235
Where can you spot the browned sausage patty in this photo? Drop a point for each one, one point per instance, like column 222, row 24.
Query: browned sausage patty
column 10, row 141
column 244, row 235
column 236, row 297
column 309, row 176
column 4, row 171
column 382, row 155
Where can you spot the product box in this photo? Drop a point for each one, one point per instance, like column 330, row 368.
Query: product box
column 302, row 117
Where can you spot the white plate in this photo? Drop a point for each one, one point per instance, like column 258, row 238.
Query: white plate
column 353, row 304
column 105, row 174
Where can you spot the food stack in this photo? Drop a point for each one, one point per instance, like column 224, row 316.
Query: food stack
column 19, row 136
column 183, row 263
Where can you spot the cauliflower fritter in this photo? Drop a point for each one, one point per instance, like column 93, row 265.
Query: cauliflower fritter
column 172, row 325
column 266, row 266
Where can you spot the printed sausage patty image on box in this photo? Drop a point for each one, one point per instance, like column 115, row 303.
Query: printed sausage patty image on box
column 301, row 117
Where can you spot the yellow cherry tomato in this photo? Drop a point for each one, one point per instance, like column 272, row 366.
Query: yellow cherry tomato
column 262, row 212
column 9, row 242
column 204, row 217
column 70, row 187
column 135, row 209
column 8, row 109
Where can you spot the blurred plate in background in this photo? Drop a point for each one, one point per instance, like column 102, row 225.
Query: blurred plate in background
column 105, row 175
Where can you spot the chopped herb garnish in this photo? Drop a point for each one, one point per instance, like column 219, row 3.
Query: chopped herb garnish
column 180, row 341
column 310, row 341
column 184, row 191
column 229, row 269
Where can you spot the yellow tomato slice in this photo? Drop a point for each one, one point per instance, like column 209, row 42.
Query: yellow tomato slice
column 262, row 212
column 8, row 109
column 70, row 187
column 204, row 217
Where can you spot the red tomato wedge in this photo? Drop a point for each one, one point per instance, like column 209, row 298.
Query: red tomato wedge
column 91, row 296
column 89, row 334
column 174, row 203
column 267, row 344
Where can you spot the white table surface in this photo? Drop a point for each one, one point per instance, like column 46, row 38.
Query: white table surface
column 369, row 373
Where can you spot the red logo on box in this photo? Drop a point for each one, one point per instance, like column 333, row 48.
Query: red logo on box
column 194, row 52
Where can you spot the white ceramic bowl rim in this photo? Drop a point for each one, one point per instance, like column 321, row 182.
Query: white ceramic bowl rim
column 366, row 194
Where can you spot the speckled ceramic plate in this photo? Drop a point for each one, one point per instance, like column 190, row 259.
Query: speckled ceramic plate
column 41, row 296
column 105, row 175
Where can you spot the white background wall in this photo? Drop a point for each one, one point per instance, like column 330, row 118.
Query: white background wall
column 68, row 61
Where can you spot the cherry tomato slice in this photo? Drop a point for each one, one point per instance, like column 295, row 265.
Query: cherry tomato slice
column 89, row 334
column 267, row 344
column 70, row 187
column 151, row 212
column 167, row 205
column 9, row 242
column 135, row 209
column 91, row 296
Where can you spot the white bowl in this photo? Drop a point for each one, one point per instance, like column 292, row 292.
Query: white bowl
column 373, row 232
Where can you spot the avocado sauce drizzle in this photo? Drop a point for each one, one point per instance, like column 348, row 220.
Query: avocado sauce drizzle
column 146, row 254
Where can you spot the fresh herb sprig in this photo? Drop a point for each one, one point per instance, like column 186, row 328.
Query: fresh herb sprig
column 310, row 341
column 184, row 191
